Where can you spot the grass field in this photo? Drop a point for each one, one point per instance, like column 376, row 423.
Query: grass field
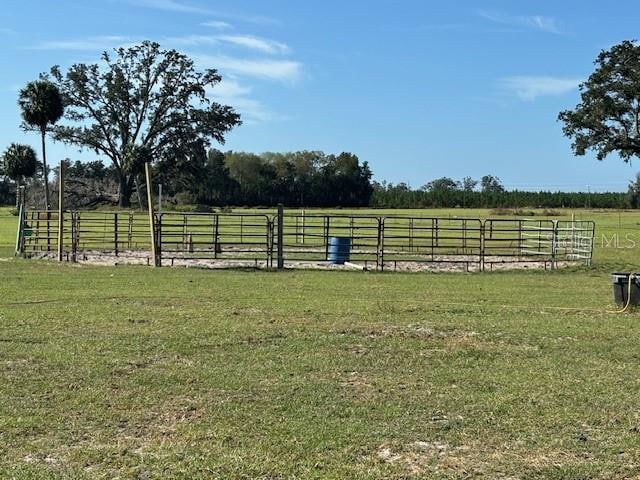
column 131, row 372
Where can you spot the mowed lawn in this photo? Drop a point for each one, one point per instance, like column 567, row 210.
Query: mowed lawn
column 134, row 372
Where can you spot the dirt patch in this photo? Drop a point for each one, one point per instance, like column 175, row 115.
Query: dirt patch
column 435, row 263
column 423, row 457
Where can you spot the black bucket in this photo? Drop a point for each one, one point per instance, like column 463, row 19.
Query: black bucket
column 621, row 289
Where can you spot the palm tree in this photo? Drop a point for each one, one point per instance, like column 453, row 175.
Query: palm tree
column 19, row 161
column 41, row 105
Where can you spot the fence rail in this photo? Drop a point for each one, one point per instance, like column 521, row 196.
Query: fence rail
column 253, row 239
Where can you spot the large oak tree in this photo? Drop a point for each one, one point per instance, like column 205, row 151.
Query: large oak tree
column 141, row 103
column 607, row 119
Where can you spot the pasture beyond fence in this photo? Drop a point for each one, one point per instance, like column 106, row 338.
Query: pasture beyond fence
column 301, row 240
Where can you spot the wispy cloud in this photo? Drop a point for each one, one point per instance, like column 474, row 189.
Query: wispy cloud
column 256, row 43
column 287, row 71
column 528, row 88
column 104, row 42
column 6, row 31
column 230, row 92
column 220, row 25
column 531, row 22
column 190, row 41
column 263, row 45
column 192, row 8
column 171, row 6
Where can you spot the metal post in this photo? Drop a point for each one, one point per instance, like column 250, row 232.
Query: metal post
column 482, row 243
column 115, row 232
column 380, row 248
column 216, row 229
column 554, row 240
column 74, row 237
column 152, row 227
column 160, row 199
column 326, row 237
column 61, row 210
column 280, row 236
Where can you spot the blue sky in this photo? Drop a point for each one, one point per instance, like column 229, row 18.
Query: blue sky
column 419, row 89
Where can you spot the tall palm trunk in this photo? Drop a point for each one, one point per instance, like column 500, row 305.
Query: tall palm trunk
column 45, row 172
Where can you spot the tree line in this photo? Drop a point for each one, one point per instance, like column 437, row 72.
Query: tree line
column 432, row 195
column 214, row 178
column 299, row 179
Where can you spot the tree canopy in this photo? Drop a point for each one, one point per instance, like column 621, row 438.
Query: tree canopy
column 142, row 102
column 19, row 162
column 607, row 119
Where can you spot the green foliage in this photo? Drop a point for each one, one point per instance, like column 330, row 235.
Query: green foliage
column 633, row 193
column 141, row 103
column 41, row 105
column 491, row 184
column 400, row 195
column 19, row 161
column 441, row 185
column 607, row 119
column 307, row 178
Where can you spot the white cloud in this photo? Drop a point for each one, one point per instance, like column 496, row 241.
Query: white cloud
column 228, row 88
column 536, row 22
column 263, row 45
column 190, row 40
column 217, row 24
column 182, row 7
column 171, row 6
column 230, row 92
column 528, row 88
column 279, row 70
column 256, row 43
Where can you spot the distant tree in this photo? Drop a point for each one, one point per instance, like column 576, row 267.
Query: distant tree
column 217, row 186
column 443, row 184
column 141, row 102
column 42, row 106
column 633, row 193
column 19, row 162
column 491, row 184
column 607, row 119
column 469, row 184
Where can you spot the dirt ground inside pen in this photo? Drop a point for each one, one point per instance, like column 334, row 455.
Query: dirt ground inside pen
column 439, row 263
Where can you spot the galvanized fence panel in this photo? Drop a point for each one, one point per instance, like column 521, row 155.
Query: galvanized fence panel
column 238, row 238
column 251, row 239
column 431, row 240
column 40, row 232
column 306, row 237
column 518, row 241
column 575, row 240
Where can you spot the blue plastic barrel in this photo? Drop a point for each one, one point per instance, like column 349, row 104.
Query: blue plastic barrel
column 339, row 249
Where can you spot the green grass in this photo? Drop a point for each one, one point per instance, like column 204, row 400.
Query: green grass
column 131, row 372
column 8, row 228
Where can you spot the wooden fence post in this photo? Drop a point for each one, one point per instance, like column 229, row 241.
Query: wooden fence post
column 21, row 222
column 152, row 223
